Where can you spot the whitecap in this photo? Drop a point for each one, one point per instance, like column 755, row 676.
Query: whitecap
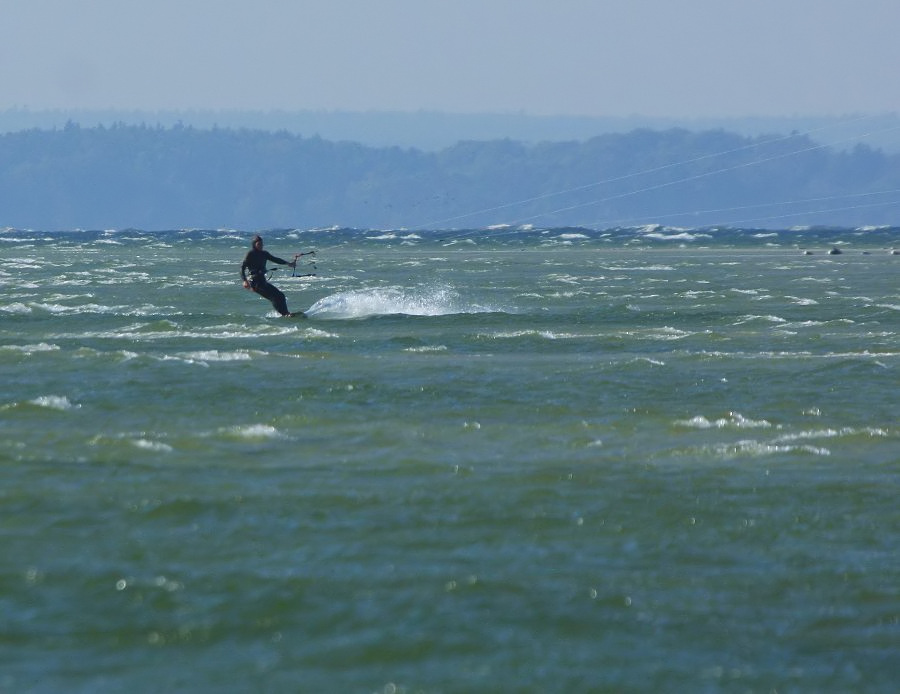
column 165, row 329
column 696, row 293
column 30, row 263
column 31, row 349
column 567, row 279
column 17, row 308
column 572, row 236
column 804, row 324
column 62, row 309
column 253, row 431
column 544, row 334
column 734, row 420
column 832, row 433
column 761, row 448
column 155, row 446
column 665, row 333
column 426, row 349
column 751, row 317
column 214, row 355
column 683, row 236
column 322, row 334
column 54, row 402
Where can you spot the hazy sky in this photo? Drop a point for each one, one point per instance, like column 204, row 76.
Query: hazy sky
column 669, row 58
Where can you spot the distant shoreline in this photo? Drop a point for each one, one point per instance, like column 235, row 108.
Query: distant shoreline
column 433, row 130
column 184, row 175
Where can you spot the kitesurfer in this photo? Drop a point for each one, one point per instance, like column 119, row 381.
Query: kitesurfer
column 253, row 273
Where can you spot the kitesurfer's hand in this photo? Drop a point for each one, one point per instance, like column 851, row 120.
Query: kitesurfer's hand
column 246, row 284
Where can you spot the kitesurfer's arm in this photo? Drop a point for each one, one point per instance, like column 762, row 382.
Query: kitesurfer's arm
column 280, row 261
column 244, row 279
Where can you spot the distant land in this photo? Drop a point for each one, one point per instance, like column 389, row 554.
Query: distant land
column 432, row 131
column 160, row 176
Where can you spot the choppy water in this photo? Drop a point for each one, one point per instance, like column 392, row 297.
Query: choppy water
column 545, row 460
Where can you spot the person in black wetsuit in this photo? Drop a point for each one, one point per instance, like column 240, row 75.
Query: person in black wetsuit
column 253, row 273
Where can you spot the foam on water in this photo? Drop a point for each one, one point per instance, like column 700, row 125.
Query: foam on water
column 849, row 432
column 17, row 307
column 31, row 349
column 252, row 432
column 734, row 420
column 152, row 446
column 169, row 330
column 543, row 334
column 426, row 349
column 389, row 301
column 214, row 355
column 741, row 320
column 54, row 402
column 759, row 449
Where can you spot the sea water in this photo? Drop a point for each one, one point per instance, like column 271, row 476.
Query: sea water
column 489, row 460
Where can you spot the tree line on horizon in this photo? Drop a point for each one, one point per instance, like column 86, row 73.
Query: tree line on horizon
column 181, row 177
